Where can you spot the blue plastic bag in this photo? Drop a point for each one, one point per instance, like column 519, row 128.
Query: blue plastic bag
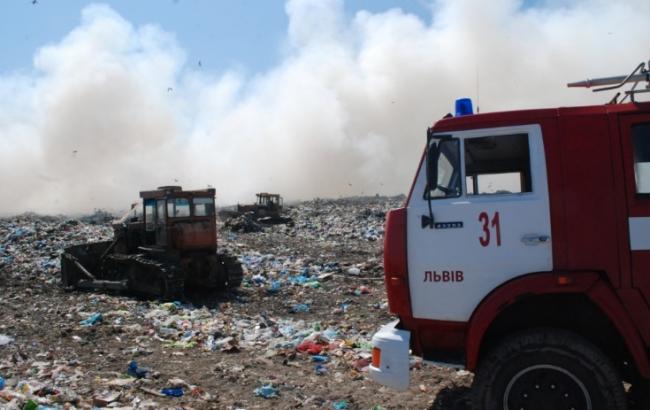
column 340, row 405
column 92, row 320
column 300, row 308
column 136, row 371
column 274, row 287
column 267, row 391
column 173, row 391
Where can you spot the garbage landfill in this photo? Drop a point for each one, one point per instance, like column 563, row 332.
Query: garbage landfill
column 244, row 223
column 221, row 346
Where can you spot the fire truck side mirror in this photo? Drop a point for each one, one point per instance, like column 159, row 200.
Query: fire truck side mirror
column 432, row 166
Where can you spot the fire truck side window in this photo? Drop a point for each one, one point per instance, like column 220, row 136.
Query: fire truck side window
column 448, row 164
column 641, row 142
column 497, row 165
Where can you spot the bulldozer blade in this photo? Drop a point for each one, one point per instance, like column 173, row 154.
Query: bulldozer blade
column 81, row 267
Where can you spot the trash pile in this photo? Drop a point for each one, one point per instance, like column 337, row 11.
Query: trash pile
column 30, row 246
column 296, row 334
column 243, row 223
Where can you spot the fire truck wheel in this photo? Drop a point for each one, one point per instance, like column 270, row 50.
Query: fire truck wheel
column 640, row 394
column 547, row 369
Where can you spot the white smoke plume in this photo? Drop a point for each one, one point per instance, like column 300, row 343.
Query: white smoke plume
column 112, row 109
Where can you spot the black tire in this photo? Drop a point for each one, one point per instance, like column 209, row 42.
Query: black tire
column 547, row 369
column 640, row 394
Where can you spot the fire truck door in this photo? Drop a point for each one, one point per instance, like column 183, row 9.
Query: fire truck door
column 635, row 135
column 491, row 219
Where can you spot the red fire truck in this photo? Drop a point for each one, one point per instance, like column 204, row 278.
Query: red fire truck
column 522, row 254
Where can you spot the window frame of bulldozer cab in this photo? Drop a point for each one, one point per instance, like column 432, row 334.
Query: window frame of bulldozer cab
column 173, row 201
column 159, row 194
column 190, row 198
column 193, row 207
column 149, row 225
column 269, row 200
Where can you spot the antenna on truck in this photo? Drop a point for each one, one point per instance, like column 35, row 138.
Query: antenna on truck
column 640, row 73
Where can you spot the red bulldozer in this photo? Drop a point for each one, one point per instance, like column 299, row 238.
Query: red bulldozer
column 165, row 243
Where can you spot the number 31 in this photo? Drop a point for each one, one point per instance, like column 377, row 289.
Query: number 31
column 484, row 218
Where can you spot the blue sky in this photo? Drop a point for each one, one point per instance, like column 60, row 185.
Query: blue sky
column 87, row 105
column 221, row 34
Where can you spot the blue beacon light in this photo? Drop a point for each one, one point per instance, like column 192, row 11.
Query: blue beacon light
column 464, row 107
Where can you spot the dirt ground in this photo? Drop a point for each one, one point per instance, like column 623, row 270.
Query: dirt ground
column 222, row 346
column 318, row 280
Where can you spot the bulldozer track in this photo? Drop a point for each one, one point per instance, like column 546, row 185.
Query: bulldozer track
column 172, row 283
column 234, row 270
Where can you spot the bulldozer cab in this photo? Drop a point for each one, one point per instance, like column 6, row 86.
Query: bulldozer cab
column 269, row 201
column 165, row 242
column 179, row 220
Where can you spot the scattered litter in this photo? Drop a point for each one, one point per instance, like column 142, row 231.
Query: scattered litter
column 92, row 320
column 354, row 271
column 105, row 399
column 361, row 365
column 310, row 347
column 312, row 267
column 30, row 405
column 137, row 371
column 274, row 287
column 267, row 391
column 244, row 224
column 177, row 383
column 300, row 308
column 172, row 391
column 151, row 391
column 340, row 405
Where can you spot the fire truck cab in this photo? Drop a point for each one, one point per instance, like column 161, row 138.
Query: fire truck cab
column 522, row 254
